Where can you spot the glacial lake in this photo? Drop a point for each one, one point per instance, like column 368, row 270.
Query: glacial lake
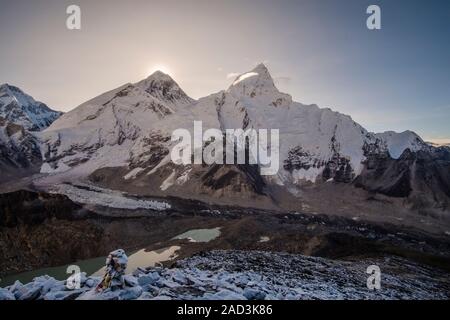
column 96, row 266
column 199, row 235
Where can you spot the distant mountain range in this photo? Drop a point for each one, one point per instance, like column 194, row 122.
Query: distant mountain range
column 19, row 108
column 121, row 139
column 20, row 116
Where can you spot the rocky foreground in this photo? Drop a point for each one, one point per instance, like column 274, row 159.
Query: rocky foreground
column 252, row 275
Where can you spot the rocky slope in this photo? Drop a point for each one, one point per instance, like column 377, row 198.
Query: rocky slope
column 422, row 176
column 244, row 275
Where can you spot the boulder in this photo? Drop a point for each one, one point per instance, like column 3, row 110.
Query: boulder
column 30, row 291
column 63, row 295
column 130, row 281
column 130, row 293
column 148, row 279
column 254, row 294
column 6, row 295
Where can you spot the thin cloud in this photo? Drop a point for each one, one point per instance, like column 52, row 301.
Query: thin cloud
column 282, row 80
column 232, row 75
column 439, row 141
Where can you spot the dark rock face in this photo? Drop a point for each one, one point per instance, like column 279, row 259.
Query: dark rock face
column 234, row 178
column 52, row 157
column 32, row 208
column 338, row 169
column 299, row 159
column 19, row 151
column 237, row 178
column 39, row 229
column 155, row 151
column 423, row 176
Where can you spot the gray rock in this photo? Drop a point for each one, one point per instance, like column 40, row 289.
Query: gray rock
column 91, row 282
column 179, row 277
column 83, row 278
column 30, row 291
column 148, row 279
column 161, row 298
column 145, row 296
column 109, row 295
column 254, row 294
column 59, row 286
column 16, row 286
column 6, row 295
column 139, row 271
column 130, row 293
column 63, row 295
column 92, row 294
column 151, row 289
column 130, row 280
column 48, row 284
column 224, row 294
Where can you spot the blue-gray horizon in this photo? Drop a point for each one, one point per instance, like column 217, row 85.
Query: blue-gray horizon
column 321, row 52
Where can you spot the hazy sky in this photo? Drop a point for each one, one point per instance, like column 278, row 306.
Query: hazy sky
column 321, row 52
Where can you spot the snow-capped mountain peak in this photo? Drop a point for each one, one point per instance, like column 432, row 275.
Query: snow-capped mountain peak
column 130, row 128
column 260, row 73
column 258, row 84
column 397, row 142
column 164, row 88
column 20, row 108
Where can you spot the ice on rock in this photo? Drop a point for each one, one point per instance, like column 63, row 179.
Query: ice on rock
column 30, row 291
column 130, row 293
column 253, row 294
column 48, row 284
column 92, row 282
column 162, row 297
column 224, row 294
column 255, row 275
column 179, row 277
column 130, row 281
column 149, row 279
column 64, row 295
column 5, row 294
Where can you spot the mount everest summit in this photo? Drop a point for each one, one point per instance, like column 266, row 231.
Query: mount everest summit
column 122, row 140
